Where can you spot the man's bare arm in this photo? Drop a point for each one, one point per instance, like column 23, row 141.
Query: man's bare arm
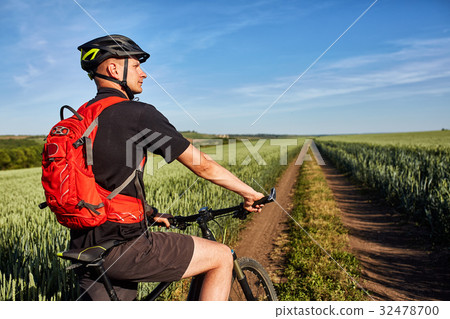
column 205, row 167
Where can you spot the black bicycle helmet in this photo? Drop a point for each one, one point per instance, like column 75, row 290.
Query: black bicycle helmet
column 98, row 50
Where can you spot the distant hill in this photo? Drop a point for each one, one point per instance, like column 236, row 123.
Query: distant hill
column 195, row 135
column 190, row 135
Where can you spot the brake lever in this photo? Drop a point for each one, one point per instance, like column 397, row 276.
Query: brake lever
column 176, row 223
column 241, row 214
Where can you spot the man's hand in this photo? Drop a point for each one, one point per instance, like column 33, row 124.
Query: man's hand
column 162, row 219
column 250, row 199
column 155, row 217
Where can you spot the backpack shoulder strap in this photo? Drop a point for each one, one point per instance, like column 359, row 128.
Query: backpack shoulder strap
column 96, row 108
column 94, row 111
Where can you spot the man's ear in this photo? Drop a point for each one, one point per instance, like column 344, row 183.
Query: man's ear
column 113, row 69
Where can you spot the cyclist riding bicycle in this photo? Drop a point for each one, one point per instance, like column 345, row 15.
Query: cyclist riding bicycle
column 113, row 62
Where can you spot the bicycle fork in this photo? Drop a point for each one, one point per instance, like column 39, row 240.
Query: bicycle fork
column 242, row 279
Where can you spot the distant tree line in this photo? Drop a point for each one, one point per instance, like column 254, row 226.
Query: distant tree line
column 19, row 153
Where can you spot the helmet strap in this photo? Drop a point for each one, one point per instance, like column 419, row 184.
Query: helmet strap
column 122, row 83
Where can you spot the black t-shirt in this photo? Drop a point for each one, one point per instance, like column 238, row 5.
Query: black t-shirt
column 126, row 131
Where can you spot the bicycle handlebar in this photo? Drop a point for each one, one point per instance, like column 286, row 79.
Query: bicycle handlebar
column 206, row 214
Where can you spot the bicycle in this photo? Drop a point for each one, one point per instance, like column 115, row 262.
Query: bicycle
column 250, row 280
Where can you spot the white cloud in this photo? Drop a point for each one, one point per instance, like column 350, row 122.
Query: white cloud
column 420, row 61
column 31, row 74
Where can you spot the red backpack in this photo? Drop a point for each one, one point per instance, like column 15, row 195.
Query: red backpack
column 67, row 177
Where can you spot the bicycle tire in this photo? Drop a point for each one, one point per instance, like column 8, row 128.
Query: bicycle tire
column 258, row 280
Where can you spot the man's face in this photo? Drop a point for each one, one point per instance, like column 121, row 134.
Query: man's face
column 135, row 76
column 114, row 68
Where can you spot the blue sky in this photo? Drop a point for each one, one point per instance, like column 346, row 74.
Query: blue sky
column 217, row 66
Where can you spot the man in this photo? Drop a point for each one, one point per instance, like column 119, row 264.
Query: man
column 114, row 63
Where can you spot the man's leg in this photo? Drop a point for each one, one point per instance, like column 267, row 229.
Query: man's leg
column 216, row 262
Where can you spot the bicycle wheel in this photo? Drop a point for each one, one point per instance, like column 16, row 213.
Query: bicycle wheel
column 258, row 279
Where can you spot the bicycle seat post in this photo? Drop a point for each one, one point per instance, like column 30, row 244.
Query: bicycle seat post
column 106, row 281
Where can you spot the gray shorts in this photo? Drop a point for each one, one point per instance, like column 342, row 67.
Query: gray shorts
column 159, row 257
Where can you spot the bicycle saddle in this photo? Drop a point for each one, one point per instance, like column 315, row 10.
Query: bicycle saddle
column 89, row 254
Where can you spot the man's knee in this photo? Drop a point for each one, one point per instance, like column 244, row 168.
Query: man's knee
column 226, row 256
column 221, row 254
column 209, row 255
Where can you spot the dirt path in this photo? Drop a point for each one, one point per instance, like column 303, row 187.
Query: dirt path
column 397, row 262
column 265, row 234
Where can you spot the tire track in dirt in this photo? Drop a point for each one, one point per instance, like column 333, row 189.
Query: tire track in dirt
column 396, row 257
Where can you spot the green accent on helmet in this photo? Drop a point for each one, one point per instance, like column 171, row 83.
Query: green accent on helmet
column 91, row 52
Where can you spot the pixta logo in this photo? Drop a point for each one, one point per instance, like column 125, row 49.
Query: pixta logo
column 304, row 156
column 149, row 141
column 248, row 151
column 253, row 149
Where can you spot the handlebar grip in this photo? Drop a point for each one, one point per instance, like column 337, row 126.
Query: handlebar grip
column 43, row 205
column 266, row 199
